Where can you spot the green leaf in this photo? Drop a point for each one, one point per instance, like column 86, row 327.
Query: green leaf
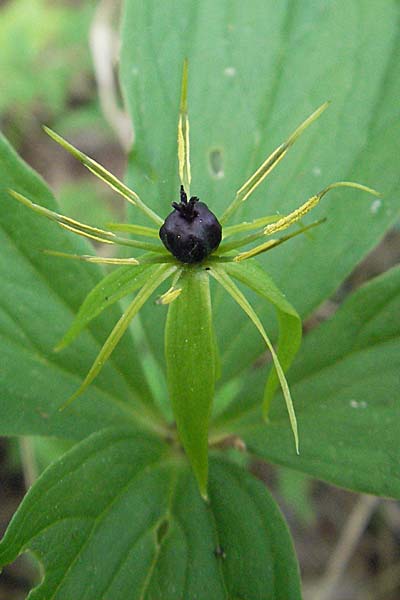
column 116, row 285
column 133, row 526
column 345, row 385
column 290, row 328
column 296, row 490
column 40, row 296
column 254, row 75
column 87, row 200
column 191, row 367
column 250, row 526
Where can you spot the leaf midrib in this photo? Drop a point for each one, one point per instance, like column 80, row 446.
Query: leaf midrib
column 100, row 516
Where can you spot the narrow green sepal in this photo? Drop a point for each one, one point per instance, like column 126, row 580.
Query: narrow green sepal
column 162, row 273
column 191, row 367
column 220, row 274
column 290, row 326
column 113, row 287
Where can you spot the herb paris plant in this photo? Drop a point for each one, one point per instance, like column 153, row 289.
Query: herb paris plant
column 191, row 235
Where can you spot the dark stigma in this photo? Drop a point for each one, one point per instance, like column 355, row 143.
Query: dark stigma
column 191, row 232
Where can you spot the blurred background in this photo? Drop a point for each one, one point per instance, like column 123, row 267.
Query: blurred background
column 58, row 65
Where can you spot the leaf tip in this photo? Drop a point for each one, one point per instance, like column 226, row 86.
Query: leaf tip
column 12, row 193
column 265, row 412
column 64, row 405
column 376, row 193
column 21, row 198
column 54, row 136
column 60, row 346
column 321, row 109
column 205, row 497
column 70, row 400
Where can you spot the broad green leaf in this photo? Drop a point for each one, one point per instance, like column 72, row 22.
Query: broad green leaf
column 254, row 76
column 345, row 386
column 290, row 328
column 191, row 367
column 86, row 200
column 119, row 517
column 258, row 560
column 116, row 285
column 40, row 297
column 296, row 488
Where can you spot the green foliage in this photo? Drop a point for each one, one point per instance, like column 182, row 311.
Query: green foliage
column 119, row 515
column 346, row 385
column 132, row 524
column 48, row 298
column 113, row 287
column 85, row 201
column 270, row 67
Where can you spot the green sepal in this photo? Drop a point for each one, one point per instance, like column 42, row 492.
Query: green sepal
column 162, row 273
column 113, row 287
column 225, row 280
column 191, row 367
column 217, row 357
column 290, row 327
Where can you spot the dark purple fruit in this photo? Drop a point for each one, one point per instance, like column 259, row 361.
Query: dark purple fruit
column 191, row 232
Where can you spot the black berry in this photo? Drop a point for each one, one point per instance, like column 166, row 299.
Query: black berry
column 191, row 232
